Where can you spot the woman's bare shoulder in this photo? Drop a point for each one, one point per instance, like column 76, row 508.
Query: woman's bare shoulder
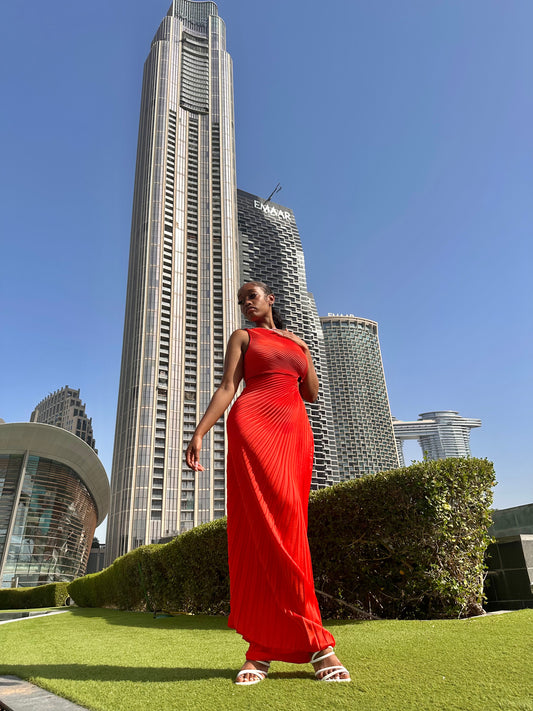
column 239, row 337
column 240, row 333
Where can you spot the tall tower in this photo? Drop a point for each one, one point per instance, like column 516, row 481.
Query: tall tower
column 271, row 251
column 361, row 411
column 63, row 408
column 182, row 280
column 440, row 434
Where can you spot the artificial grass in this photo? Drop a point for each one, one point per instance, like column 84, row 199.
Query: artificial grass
column 107, row 660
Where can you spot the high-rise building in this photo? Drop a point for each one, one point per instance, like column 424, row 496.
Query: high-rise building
column 440, row 434
column 63, row 408
column 182, row 281
column 361, row 412
column 271, row 252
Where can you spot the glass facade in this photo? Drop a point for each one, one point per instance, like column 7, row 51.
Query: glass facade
column 47, row 521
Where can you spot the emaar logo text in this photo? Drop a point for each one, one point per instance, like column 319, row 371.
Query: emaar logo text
column 271, row 210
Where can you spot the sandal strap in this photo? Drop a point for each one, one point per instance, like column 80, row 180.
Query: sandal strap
column 256, row 672
column 315, row 659
column 332, row 671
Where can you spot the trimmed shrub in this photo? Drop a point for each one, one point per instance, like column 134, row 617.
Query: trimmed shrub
column 50, row 595
column 404, row 543
column 195, row 567
column 118, row 586
column 189, row 574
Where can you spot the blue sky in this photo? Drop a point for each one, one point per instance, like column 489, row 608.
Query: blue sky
column 401, row 134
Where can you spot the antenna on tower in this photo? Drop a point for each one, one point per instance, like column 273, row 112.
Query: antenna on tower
column 276, row 190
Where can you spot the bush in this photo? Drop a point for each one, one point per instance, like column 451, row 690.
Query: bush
column 193, row 569
column 189, row 574
column 51, row 595
column 404, row 543
column 117, row 586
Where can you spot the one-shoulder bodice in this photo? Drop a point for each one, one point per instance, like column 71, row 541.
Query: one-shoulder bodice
column 271, row 353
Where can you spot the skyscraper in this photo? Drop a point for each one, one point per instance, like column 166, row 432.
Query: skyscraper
column 361, row 411
column 440, row 434
column 271, row 251
column 63, row 408
column 182, row 280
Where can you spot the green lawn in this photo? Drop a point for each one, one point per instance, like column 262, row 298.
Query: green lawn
column 121, row 661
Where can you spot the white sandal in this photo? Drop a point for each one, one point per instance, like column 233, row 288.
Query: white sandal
column 332, row 671
column 259, row 673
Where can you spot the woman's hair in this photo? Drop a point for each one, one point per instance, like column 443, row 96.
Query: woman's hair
column 278, row 321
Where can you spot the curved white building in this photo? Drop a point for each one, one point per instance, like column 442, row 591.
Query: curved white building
column 53, row 493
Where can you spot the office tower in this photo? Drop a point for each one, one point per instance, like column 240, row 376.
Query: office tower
column 271, row 252
column 361, row 412
column 182, row 281
column 63, row 408
column 53, row 493
column 440, row 434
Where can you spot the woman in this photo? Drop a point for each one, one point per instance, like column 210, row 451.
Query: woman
column 270, row 461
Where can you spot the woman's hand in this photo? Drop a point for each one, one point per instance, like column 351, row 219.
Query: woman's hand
column 296, row 339
column 192, row 456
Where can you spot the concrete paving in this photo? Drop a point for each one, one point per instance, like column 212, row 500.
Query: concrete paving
column 6, row 617
column 19, row 695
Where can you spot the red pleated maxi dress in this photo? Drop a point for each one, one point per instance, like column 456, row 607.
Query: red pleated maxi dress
column 270, row 461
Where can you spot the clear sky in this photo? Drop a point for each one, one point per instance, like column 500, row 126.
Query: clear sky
column 401, row 133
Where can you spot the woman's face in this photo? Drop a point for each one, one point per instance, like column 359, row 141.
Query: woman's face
column 254, row 303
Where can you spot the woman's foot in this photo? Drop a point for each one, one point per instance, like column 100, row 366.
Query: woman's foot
column 252, row 673
column 328, row 667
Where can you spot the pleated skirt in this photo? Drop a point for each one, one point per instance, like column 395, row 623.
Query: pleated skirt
column 270, row 462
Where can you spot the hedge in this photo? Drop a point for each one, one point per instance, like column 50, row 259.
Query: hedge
column 51, row 595
column 405, row 543
column 408, row 543
column 189, row 574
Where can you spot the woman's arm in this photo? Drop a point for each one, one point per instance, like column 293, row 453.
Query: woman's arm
column 309, row 386
column 224, row 394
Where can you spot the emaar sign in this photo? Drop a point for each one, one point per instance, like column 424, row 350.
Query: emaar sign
column 271, row 210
